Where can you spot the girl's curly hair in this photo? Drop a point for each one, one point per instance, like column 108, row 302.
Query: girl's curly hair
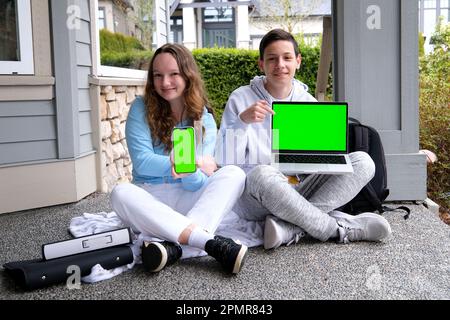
column 159, row 114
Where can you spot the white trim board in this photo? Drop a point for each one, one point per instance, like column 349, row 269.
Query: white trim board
column 47, row 184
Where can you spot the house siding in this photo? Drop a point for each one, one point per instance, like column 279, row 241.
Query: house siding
column 73, row 65
column 84, row 69
column 27, row 112
column 46, row 148
column 29, row 129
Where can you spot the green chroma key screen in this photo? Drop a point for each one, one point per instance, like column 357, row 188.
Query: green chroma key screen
column 184, row 150
column 309, row 126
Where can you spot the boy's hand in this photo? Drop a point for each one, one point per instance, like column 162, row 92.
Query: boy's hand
column 256, row 112
column 207, row 164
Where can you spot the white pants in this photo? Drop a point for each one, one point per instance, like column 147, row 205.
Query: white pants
column 165, row 210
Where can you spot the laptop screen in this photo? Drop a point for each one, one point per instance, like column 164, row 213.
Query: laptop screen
column 310, row 127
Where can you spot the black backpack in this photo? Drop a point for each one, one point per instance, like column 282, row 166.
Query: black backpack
column 371, row 197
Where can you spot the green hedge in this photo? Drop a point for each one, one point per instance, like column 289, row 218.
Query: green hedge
column 118, row 42
column 128, row 59
column 224, row 70
column 119, row 50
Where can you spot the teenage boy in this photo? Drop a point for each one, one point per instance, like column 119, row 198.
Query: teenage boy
column 307, row 206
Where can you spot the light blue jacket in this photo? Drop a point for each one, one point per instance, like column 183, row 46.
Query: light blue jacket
column 151, row 163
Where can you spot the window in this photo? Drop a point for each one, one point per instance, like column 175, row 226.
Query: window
column 429, row 21
column 222, row 14
column 98, row 69
column 430, row 4
column 445, row 10
column 16, row 42
column 219, row 27
column 101, row 18
column 176, row 30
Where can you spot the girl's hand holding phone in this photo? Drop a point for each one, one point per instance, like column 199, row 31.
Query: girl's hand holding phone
column 183, row 151
column 174, row 174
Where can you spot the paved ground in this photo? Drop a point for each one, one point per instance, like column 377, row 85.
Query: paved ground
column 413, row 264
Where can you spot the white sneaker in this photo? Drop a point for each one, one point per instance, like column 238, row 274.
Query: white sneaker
column 278, row 232
column 363, row 227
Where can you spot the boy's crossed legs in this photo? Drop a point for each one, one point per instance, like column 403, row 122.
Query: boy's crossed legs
column 308, row 208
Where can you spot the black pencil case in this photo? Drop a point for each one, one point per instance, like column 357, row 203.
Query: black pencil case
column 38, row 273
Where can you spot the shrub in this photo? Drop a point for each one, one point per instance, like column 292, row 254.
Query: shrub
column 435, row 114
column 119, row 50
column 421, row 45
column 224, row 70
column 128, row 59
column 118, row 42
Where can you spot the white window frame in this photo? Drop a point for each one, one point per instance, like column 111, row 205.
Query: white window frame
column 107, row 71
column 26, row 63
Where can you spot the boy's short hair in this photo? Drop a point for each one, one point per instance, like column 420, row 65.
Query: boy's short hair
column 276, row 35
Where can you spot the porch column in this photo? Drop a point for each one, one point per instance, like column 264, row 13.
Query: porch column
column 242, row 27
column 189, row 28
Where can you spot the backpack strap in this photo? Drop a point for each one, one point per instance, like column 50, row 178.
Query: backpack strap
column 354, row 120
column 360, row 137
column 369, row 193
column 406, row 216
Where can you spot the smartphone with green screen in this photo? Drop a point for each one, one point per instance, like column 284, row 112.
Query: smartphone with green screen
column 184, row 149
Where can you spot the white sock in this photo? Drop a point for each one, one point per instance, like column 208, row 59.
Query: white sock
column 199, row 237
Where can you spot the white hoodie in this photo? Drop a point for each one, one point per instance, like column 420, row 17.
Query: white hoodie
column 248, row 145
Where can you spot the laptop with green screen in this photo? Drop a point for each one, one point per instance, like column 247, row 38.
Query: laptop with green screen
column 310, row 137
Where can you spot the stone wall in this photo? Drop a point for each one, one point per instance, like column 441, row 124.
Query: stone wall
column 115, row 102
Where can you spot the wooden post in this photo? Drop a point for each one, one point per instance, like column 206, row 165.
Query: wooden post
column 325, row 60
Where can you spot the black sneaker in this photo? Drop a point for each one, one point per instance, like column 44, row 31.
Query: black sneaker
column 229, row 253
column 157, row 255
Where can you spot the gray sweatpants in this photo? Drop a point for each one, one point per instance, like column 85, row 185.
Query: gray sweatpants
column 306, row 205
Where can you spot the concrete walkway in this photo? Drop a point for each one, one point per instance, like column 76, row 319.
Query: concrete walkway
column 413, row 264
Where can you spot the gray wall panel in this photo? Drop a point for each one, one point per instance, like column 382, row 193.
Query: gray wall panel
column 376, row 70
column 83, row 33
column 27, row 151
column 85, row 122
column 83, row 6
column 26, row 108
column 410, row 76
column 65, row 62
column 406, row 176
column 84, row 64
column 84, row 100
column 73, row 64
column 83, row 77
column 86, row 143
column 19, row 129
column 381, row 76
column 83, row 52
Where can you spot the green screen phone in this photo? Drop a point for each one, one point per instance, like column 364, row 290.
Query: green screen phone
column 184, row 150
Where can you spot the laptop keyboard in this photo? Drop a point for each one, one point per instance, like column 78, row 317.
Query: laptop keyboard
column 302, row 158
